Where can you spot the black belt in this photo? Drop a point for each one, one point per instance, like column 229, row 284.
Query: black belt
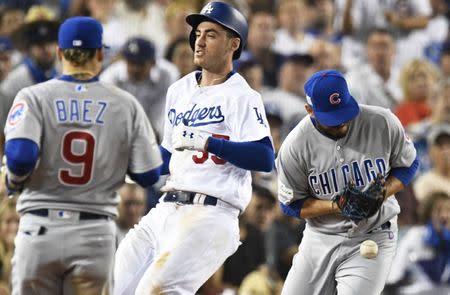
column 83, row 215
column 188, row 198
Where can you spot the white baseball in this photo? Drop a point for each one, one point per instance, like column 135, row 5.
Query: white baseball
column 369, row 249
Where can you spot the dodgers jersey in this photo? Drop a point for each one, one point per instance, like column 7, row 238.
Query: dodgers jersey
column 231, row 110
column 89, row 136
column 311, row 164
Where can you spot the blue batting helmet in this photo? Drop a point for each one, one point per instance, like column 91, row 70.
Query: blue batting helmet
column 224, row 15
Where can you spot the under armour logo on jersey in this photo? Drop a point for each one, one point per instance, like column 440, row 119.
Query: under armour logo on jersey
column 259, row 117
column 185, row 134
column 207, row 9
column 334, row 98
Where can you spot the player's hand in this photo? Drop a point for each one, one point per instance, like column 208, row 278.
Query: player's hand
column 12, row 188
column 189, row 138
column 357, row 204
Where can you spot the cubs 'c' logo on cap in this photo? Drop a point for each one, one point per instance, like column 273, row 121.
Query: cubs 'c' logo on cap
column 207, row 9
column 17, row 113
column 334, row 98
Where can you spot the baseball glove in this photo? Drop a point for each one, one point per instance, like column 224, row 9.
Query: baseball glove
column 357, row 204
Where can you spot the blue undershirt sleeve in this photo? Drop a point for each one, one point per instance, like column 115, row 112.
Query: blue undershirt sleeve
column 21, row 155
column 147, row 178
column 293, row 209
column 250, row 155
column 406, row 174
column 166, row 155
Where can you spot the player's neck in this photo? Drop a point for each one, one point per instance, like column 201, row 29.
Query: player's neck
column 86, row 72
column 208, row 78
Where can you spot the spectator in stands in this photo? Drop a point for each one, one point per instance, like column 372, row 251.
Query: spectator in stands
column 419, row 132
column 444, row 61
column 248, row 257
column 142, row 18
column 376, row 83
column 421, row 265
column 181, row 55
column 360, row 17
column 131, row 207
column 5, row 57
column 260, row 211
column 139, row 74
column 175, row 17
column 11, row 18
column 321, row 24
column 103, row 11
column 289, row 97
column 326, row 56
column 438, row 178
column 261, row 34
column 9, row 221
column 291, row 37
column 417, row 79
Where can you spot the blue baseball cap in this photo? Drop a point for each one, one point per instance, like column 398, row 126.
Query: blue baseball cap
column 80, row 32
column 327, row 93
column 138, row 50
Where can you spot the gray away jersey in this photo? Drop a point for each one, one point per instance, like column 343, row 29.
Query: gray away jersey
column 89, row 136
column 19, row 78
column 311, row 164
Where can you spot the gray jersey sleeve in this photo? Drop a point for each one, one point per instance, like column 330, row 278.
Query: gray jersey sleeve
column 25, row 118
column 403, row 152
column 292, row 177
column 144, row 139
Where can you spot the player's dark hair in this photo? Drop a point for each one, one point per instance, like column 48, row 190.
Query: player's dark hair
column 231, row 34
column 78, row 56
column 264, row 193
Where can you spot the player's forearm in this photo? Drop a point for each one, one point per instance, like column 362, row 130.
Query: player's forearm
column 314, row 208
column 393, row 185
column 250, row 155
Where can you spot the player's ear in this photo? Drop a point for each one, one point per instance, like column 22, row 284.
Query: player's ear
column 100, row 54
column 59, row 53
column 309, row 109
column 235, row 42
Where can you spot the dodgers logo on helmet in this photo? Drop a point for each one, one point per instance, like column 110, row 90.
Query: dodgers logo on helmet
column 207, row 9
column 17, row 113
column 334, row 98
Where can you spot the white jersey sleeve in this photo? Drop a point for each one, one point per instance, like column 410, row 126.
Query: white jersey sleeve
column 250, row 120
column 167, row 139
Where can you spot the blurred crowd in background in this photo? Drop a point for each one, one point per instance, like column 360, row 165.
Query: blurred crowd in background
column 394, row 54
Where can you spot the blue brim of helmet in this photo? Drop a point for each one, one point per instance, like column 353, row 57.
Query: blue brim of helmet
column 339, row 116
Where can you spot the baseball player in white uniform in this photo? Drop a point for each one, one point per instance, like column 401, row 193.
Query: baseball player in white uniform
column 215, row 132
column 69, row 143
column 341, row 142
